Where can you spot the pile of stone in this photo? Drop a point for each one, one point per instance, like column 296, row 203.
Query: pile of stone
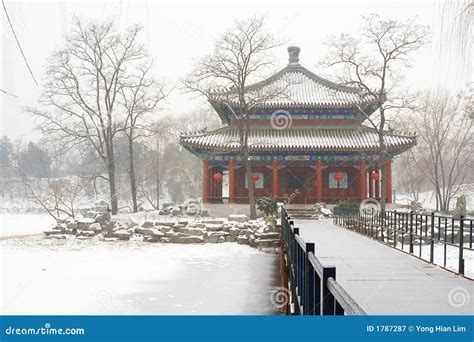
column 262, row 233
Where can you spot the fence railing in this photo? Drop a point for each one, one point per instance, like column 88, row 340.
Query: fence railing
column 427, row 236
column 313, row 286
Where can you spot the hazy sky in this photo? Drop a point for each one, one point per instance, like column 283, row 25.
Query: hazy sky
column 178, row 32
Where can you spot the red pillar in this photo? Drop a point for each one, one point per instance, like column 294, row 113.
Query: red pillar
column 231, row 181
column 275, row 183
column 362, row 180
column 319, row 181
column 388, row 182
column 371, row 186
column 377, row 185
column 205, row 181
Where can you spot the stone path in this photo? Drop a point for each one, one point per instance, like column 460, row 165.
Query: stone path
column 386, row 281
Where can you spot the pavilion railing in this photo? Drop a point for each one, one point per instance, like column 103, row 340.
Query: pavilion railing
column 441, row 240
column 312, row 286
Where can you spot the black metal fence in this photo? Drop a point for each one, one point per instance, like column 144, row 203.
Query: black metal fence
column 427, row 236
column 313, row 286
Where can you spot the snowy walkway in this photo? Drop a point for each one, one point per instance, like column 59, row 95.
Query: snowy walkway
column 386, row 281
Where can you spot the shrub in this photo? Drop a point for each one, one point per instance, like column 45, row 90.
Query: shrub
column 348, row 204
column 268, row 205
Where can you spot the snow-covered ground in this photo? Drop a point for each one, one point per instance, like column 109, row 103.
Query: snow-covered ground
column 452, row 256
column 43, row 276
column 428, row 198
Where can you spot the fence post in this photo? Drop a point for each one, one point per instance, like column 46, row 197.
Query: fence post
column 432, row 239
column 461, row 245
column 411, row 232
column 308, row 305
column 395, row 228
column 382, row 224
column 327, row 297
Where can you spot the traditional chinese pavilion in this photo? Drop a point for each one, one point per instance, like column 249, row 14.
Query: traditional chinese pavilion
column 322, row 153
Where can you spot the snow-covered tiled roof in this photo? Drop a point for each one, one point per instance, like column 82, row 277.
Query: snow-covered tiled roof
column 296, row 85
column 294, row 139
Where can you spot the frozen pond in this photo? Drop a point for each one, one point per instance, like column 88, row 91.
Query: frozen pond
column 24, row 224
column 61, row 277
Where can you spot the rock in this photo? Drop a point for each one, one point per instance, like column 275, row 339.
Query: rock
column 213, row 221
column 242, row 239
column 178, row 226
column 158, row 234
column 268, row 236
column 460, row 209
column 147, row 231
column 165, row 240
column 238, row 218
column 148, row 224
column 151, row 239
column 110, row 239
column 204, row 213
column 190, row 231
column 57, row 236
column 84, row 237
column 122, row 234
column 197, row 225
column 89, row 233
column 101, row 206
column 165, row 223
column 176, row 211
column 102, row 217
column 71, row 225
column 214, row 227
column 84, row 223
column 188, row 239
column 95, row 226
column 325, row 211
column 216, row 238
column 109, row 226
column 99, row 237
column 163, row 229
column 231, row 238
column 234, row 231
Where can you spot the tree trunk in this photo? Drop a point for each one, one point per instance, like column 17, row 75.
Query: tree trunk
column 131, row 173
column 250, row 187
column 383, row 186
column 113, row 192
column 157, row 174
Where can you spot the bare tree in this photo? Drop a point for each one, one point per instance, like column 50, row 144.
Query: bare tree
column 140, row 94
column 373, row 61
column 84, row 81
column 241, row 55
column 444, row 152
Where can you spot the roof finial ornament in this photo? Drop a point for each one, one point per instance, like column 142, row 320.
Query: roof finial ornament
column 294, row 53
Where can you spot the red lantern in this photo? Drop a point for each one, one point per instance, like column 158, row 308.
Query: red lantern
column 255, row 177
column 374, row 176
column 338, row 176
column 217, row 176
